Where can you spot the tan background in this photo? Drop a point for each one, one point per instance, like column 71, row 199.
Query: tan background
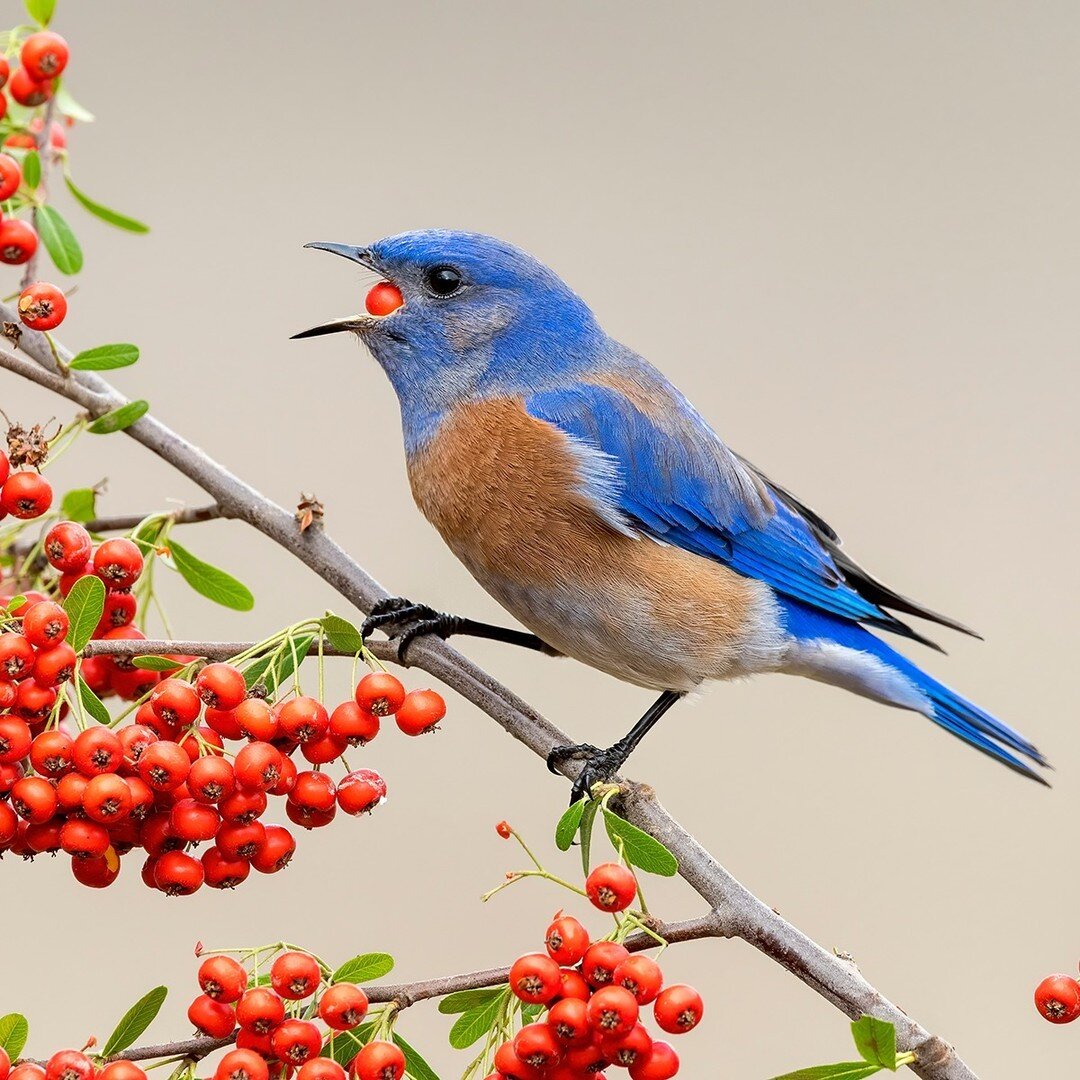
column 849, row 231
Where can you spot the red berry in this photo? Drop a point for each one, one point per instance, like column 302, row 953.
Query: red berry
column 51, row 753
column 118, row 562
column 569, row 1021
column 241, row 840
column 256, row 720
column 612, row 1011
column 222, row 872
column 343, row 1006
column 259, row 1011
column 16, row 658
column 192, row 821
column 221, row 686
column 164, row 765
column 44, row 55
column 641, row 976
column 222, row 978
column 313, row 791
column 121, row 1070
column 275, row 851
column 303, row 719
column 42, row 306
column 242, row 1065
column 678, row 1009
column 10, row 176
column 97, row 750
column 383, row 298
column 45, row 624
column 321, row 1068
column 294, row 1041
column 574, row 985
column 360, row 791
column 1057, row 998
column 178, row 874
column 420, row 712
column 213, row 1018
column 33, row 702
column 600, row 961
column 611, row 887
column 27, row 1070
column 355, row 725
column 69, row 1065
column 380, row 693
column 660, row 1063
column 566, row 940
column 628, row 1049
column 68, row 546
column 54, row 665
column 33, row 798
column 27, row 90
column 295, row 975
column 96, row 873
column 504, row 830
column 107, row 799
column 536, row 1045
column 210, row 779
column 378, row 1060
column 257, row 766
column 15, row 739
column 535, row 978
column 84, row 839
column 25, row 495
column 18, row 239
column 242, row 806
column 508, row 1066
column 119, row 610
column 327, row 748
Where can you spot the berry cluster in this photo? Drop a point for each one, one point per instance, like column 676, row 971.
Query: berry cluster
column 1057, row 998
column 69, row 1065
column 166, row 782
column 594, row 994
column 277, row 1021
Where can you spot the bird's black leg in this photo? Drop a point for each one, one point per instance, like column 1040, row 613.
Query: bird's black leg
column 406, row 621
column 601, row 765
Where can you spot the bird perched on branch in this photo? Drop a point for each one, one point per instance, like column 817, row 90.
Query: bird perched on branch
column 588, row 496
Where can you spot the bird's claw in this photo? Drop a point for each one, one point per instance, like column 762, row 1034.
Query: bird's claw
column 405, row 621
column 598, row 766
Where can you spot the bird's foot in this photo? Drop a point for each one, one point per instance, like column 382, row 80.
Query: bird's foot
column 404, row 621
column 598, row 766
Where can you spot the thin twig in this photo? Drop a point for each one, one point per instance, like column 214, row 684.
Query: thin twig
column 744, row 915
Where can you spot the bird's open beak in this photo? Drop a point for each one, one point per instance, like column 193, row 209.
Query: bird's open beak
column 350, row 322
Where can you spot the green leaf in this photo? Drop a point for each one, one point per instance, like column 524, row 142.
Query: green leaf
column 842, row 1070
column 639, row 848
column 588, row 819
column 464, row 1000
column 79, row 504
column 155, row 663
column 85, row 605
column 113, row 217
column 14, row 1030
column 59, row 240
column 41, row 11
column 341, row 633
column 275, row 668
column 122, row 417
column 364, row 968
column 477, row 1022
column 876, row 1040
column 415, row 1065
column 15, row 603
column 105, row 358
column 31, row 169
column 68, row 106
column 568, row 825
column 92, row 703
column 210, row 581
column 347, row 1043
column 135, row 1021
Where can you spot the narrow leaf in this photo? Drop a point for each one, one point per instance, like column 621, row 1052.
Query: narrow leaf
column 842, row 1070
column 210, row 581
column 640, row 849
column 59, row 240
column 41, row 11
column 122, row 417
column 464, row 1000
column 84, row 605
column 567, row 828
column 155, row 663
column 105, row 358
column 274, row 669
column 415, row 1066
column 79, row 504
column 588, row 819
column 31, row 169
column 364, row 968
column 135, row 1021
column 14, row 1029
column 68, row 106
column 876, row 1040
column 92, row 703
column 347, row 1043
column 341, row 633
column 476, row 1023
column 113, row 217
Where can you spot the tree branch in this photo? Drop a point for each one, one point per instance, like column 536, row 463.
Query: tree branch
column 741, row 913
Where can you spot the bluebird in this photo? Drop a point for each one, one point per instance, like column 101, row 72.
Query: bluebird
column 586, row 494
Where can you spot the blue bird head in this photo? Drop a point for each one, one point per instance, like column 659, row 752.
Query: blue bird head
column 479, row 318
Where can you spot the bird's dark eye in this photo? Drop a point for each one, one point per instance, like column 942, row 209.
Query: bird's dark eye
column 443, row 280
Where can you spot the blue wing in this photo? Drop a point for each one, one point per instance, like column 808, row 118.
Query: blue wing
column 675, row 480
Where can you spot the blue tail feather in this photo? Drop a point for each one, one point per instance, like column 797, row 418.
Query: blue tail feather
column 946, row 708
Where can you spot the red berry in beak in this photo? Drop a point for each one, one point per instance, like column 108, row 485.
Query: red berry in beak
column 384, row 298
